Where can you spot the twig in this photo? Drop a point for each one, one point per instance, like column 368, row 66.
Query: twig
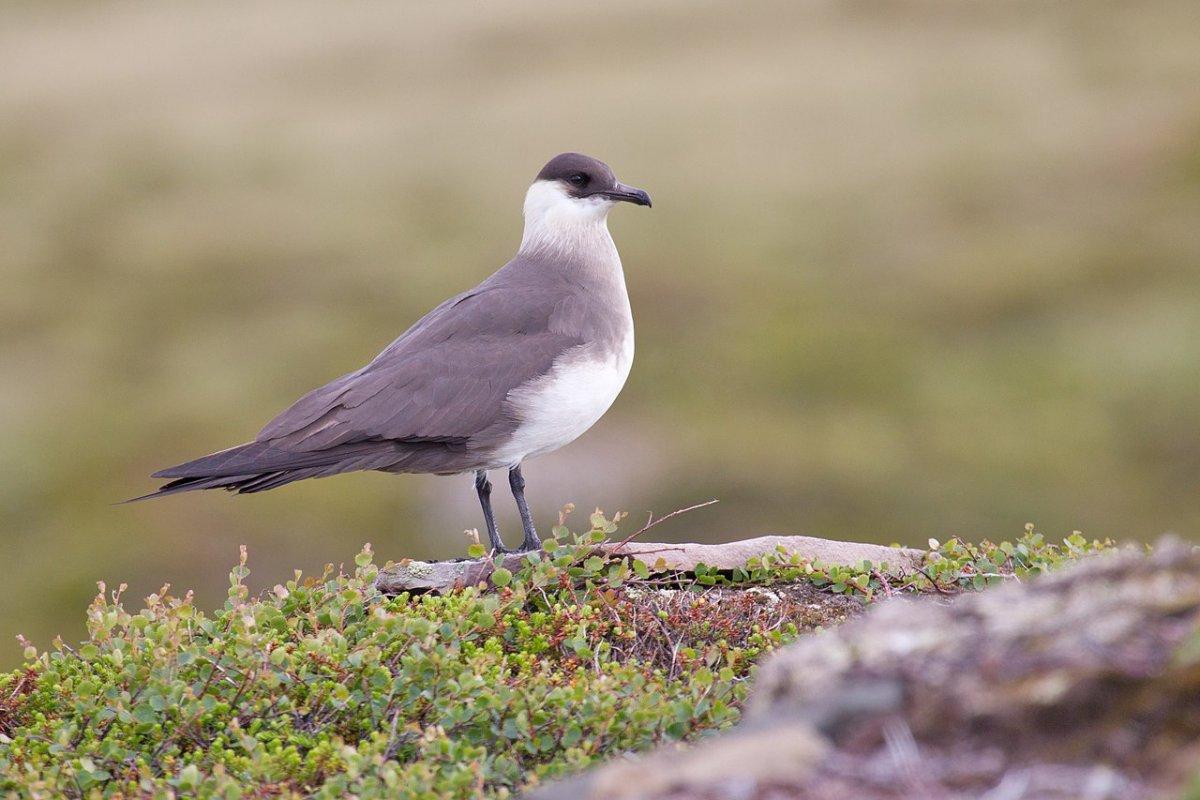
column 939, row 589
column 393, row 743
column 651, row 522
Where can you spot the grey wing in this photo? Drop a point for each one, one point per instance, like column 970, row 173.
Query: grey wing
column 445, row 380
column 428, row 403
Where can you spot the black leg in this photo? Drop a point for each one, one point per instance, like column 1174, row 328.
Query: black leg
column 517, row 482
column 483, row 487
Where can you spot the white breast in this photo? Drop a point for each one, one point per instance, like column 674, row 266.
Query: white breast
column 558, row 407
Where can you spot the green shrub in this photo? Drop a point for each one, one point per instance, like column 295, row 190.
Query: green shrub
column 323, row 686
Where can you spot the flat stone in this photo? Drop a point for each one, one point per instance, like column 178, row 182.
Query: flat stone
column 442, row 576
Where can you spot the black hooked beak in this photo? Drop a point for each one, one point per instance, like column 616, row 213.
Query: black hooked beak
column 628, row 194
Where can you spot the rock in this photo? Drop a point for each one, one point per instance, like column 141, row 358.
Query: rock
column 1081, row 684
column 729, row 555
column 440, row 576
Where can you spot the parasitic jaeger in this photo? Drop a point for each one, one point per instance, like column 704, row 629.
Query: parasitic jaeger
column 519, row 366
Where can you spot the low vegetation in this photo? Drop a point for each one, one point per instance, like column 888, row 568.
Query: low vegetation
column 324, row 686
column 1081, row 684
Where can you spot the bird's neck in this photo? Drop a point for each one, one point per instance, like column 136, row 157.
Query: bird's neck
column 568, row 230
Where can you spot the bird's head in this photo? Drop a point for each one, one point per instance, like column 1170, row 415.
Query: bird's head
column 573, row 193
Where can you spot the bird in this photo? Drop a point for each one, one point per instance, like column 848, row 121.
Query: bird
column 519, row 366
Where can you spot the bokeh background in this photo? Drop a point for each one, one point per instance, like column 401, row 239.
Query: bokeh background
column 914, row 269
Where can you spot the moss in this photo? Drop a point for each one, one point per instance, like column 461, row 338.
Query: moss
column 324, row 686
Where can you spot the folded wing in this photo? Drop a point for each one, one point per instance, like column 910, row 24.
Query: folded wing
column 428, row 401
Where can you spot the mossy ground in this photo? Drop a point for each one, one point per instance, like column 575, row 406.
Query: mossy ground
column 325, row 687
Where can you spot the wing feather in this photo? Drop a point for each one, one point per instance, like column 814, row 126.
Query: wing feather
column 446, row 379
column 435, row 393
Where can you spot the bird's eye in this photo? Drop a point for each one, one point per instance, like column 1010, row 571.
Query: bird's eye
column 578, row 179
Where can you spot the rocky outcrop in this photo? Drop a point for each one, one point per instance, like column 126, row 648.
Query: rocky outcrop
column 1081, row 684
column 441, row 576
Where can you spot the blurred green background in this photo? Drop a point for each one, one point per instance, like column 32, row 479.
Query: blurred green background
column 914, row 268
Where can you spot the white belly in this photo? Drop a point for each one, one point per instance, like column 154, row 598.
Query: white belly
column 558, row 407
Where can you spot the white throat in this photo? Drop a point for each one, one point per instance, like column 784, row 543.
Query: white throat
column 561, row 225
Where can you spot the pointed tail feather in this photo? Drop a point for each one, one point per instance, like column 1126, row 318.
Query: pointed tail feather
column 257, row 467
column 191, row 484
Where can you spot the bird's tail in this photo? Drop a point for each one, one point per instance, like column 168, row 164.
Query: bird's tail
column 258, row 466
column 242, row 484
